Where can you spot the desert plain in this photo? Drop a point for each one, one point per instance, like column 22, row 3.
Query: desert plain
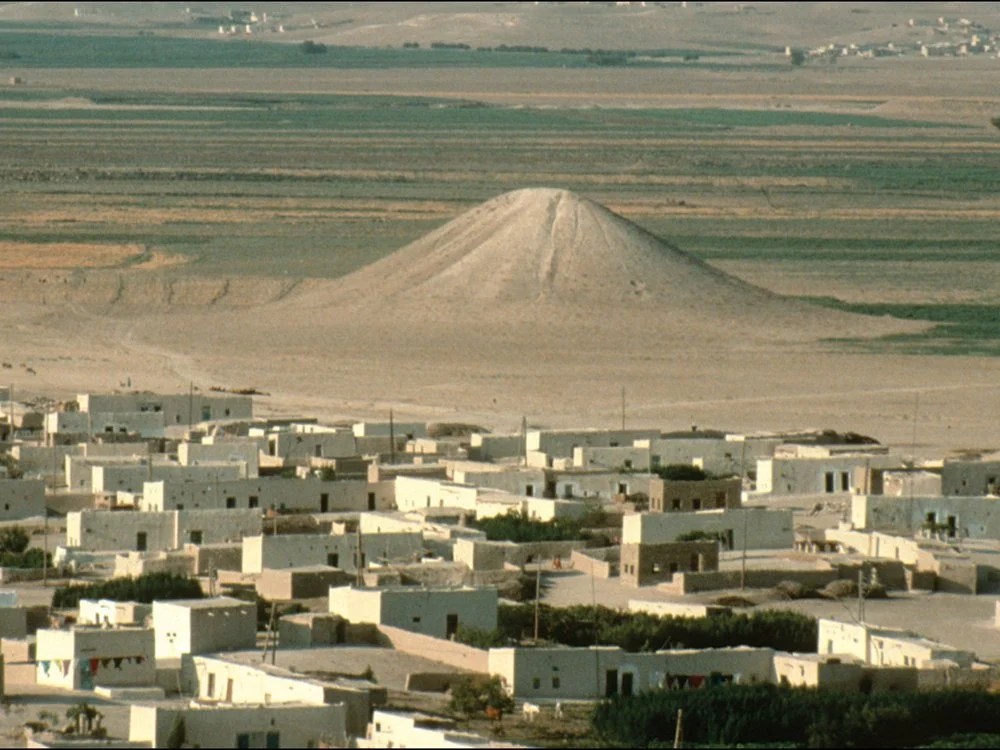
column 460, row 234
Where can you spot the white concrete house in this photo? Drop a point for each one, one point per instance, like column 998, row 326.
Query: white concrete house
column 21, row 498
column 172, row 529
column 436, row 612
column 756, row 528
column 263, row 726
column 83, row 658
column 414, row 493
column 200, row 626
column 567, row 673
column 336, row 550
column 881, row 646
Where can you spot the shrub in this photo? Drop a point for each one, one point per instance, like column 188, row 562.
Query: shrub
column 585, row 625
column 13, row 539
column 145, row 589
column 480, row 638
column 472, row 697
column 680, row 473
column 741, row 714
column 313, row 48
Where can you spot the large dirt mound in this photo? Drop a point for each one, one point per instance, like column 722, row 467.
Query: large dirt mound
column 552, row 257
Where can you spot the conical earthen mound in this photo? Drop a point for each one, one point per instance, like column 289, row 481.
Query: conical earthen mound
column 554, row 260
column 543, row 245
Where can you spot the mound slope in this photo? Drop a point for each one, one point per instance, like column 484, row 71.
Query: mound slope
column 552, row 257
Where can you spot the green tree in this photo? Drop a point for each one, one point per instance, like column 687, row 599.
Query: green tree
column 681, row 473
column 14, row 539
column 472, row 697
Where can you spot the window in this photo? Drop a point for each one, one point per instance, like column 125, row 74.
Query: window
column 555, row 683
column 828, row 479
column 230, row 502
column 254, row 501
column 628, row 463
column 845, row 481
column 195, row 537
column 675, row 504
column 211, row 684
column 140, row 541
column 536, row 683
column 333, row 559
column 696, row 503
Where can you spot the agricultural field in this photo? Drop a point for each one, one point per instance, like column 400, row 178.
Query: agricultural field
column 249, row 167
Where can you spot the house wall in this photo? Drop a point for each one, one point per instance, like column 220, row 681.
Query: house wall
column 809, row 476
column 414, row 493
column 134, row 564
column 215, row 679
column 65, row 658
column 117, row 477
column 408, row 430
column 561, row 443
column 764, row 529
column 232, row 451
column 43, row 459
column 683, row 496
column 298, row 446
column 299, row 583
column 419, row 610
column 828, row 673
column 726, row 455
column 644, row 564
column 177, row 409
column 453, row 654
column 109, row 612
column 494, row 447
column 974, row 517
column 676, row 609
column 583, row 673
column 290, row 725
column 118, row 530
column 288, row 494
column 300, row 550
column 883, row 647
column 146, row 424
column 603, row 485
column 520, row 481
column 203, row 626
column 970, row 478
column 622, row 458
column 21, row 498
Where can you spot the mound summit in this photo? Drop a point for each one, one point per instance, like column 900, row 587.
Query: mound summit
column 550, row 257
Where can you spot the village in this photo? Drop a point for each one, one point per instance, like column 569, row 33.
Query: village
column 178, row 572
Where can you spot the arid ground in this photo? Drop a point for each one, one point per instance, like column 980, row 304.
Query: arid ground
column 181, row 206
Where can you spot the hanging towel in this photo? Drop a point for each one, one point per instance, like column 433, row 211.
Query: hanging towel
column 45, row 666
column 65, row 665
column 118, row 662
column 94, row 664
column 696, row 680
column 105, row 662
column 140, row 659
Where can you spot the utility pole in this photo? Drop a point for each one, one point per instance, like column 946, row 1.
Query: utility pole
column 190, row 405
column 623, row 408
column 538, row 594
column 861, row 595
column 524, row 440
column 10, row 404
column 679, row 728
column 392, row 439
column 743, row 560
